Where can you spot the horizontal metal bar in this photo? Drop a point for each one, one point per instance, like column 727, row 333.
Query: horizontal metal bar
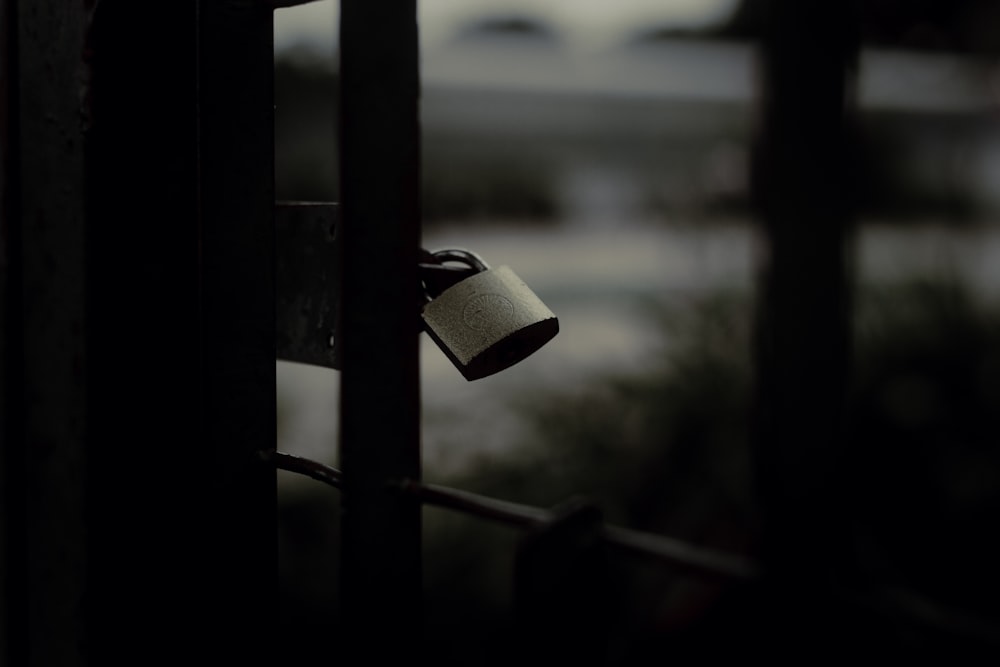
column 673, row 551
column 307, row 282
column 695, row 559
column 678, row 552
column 309, row 468
column 901, row 604
column 504, row 511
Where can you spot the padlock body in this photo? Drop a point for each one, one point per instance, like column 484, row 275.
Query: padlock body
column 489, row 322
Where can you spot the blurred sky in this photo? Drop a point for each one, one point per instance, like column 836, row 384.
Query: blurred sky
column 583, row 23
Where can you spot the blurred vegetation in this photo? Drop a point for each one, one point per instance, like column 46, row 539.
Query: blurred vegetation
column 925, row 461
column 667, row 452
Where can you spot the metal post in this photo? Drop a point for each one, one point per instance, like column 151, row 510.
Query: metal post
column 42, row 355
column 380, row 396
column 806, row 199
column 180, row 326
column 237, row 311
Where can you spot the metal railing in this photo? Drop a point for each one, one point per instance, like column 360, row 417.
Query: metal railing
column 138, row 293
column 675, row 553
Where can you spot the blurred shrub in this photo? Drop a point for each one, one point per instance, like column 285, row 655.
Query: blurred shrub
column 667, row 452
column 664, row 452
column 924, row 459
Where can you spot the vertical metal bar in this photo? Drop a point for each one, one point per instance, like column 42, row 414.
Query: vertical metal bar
column 43, row 397
column 11, row 334
column 380, row 395
column 180, row 322
column 142, row 327
column 806, row 199
column 237, row 312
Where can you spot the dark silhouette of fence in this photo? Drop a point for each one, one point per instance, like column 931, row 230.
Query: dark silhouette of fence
column 137, row 301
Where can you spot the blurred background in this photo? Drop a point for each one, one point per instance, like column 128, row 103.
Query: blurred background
column 602, row 151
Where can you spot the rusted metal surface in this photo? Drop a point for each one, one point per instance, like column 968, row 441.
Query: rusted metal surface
column 381, row 559
column 307, row 311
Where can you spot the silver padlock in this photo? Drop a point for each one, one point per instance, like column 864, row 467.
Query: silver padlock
column 489, row 320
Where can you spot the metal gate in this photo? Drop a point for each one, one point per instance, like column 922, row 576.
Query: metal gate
column 138, row 350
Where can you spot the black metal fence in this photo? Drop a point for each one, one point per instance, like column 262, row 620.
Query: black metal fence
column 138, row 307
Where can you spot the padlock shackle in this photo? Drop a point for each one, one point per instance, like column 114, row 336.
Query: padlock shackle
column 461, row 255
column 436, row 276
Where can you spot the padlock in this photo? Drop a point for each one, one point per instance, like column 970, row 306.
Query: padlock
column 487, row 321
